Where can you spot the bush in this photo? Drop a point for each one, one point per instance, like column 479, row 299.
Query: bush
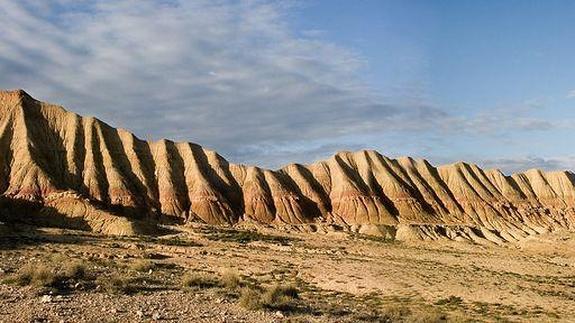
column 116, row 284
column 278, row 296
column 38, row 275
column 231, row 279
column 451, row 300
column 195, row 280
column 250, row 299
column 427, row 317
column 275, row 297
column 142, row 265
column 395, row 313
column 74, row 269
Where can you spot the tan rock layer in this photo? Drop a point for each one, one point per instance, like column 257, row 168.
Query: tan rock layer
column 46, row 151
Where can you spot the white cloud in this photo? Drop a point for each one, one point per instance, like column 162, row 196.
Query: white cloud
column 514, row 165
column 226, row 74
column 571, row 94
column 230, row 75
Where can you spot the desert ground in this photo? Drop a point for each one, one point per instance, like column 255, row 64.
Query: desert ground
column 201, row 273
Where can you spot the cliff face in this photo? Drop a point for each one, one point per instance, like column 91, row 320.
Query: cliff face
column 107, row 180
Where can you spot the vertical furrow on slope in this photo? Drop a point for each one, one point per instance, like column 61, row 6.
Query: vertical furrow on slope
column 289, row 204
column 424, row 187
column 464, row 193
column 507, row 186
column 74, row 142
column 47, row 148
column 28, row 179
column 217, row 170
column 518, row 205
column 571, row 187
column 431, row 178
column 123, row 186
column 562, row 185
column 134, row 169
column 95, row 179
column 302, row 179
column 207, row 203
column 140, row 156
column 480, row 187
column 352, row 199
column 258, row 200
column 172, row 189
column 6, row 135
column 544, row 192
column 399, row 188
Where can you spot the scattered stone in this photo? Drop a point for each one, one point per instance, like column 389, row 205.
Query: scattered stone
column 279, row 314
column 46, row 299
column 139, row 314
column 157, row 316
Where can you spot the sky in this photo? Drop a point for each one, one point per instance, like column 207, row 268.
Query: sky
column 274, row 82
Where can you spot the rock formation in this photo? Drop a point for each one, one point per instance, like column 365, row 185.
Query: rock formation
column 58, row 167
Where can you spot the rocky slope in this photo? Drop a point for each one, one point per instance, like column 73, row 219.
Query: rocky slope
column 63, row 169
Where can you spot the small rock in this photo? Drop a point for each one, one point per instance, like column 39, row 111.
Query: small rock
column 279, row 314
column 139, row 314
column 157, row 316
column 113, row 311
column 46, row 299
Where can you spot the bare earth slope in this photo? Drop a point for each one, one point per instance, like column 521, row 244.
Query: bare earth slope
column 59, row 168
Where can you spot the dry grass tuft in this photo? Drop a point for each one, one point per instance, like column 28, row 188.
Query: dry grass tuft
column 74, row 269
column 230, row 279
column 198, row 281
column 39, row 275
column 116, row 284
column 275, row 297
column 250, row 299
column 142, row 265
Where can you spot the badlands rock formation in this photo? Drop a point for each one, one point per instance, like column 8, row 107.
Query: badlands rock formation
column 59, row 168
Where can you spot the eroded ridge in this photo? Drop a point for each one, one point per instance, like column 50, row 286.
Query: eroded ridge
column 85, row 174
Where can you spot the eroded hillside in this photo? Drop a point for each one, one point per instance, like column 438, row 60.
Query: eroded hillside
column 61, row 168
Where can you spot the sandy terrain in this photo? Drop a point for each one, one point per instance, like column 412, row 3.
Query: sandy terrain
column 339, row 277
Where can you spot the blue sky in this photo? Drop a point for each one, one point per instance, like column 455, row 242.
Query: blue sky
column 273, row 82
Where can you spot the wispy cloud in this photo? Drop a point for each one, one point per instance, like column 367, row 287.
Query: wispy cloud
column 231, row 75
column 571, row 94
column 226, row 74
column 514, row 165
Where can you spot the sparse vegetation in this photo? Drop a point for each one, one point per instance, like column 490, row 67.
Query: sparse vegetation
column 74, row 269
column 47, row 274
column 244, row 236
column 250, row 299
column 451, row 300
column 36, row 274
column 230, row 279
column 117, row 284
column 193, row 280
column 276, row 297
column 142, row 265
